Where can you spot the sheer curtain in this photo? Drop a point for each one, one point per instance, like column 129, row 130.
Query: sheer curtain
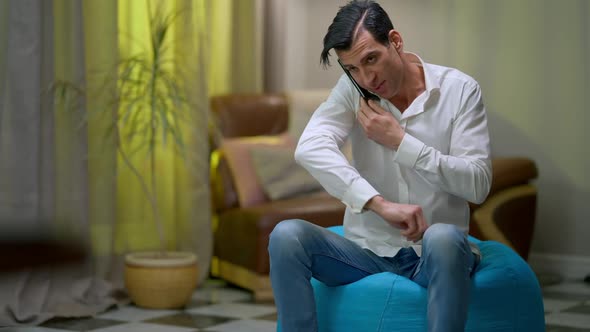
column 57, row 174
column 43, row 172
column 236, row 40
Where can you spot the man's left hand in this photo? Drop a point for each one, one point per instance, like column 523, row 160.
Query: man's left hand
column 380, row 125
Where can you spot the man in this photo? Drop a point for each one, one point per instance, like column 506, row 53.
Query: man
column 419, row 154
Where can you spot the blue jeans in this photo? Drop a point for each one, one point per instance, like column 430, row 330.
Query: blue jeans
column 300, row 250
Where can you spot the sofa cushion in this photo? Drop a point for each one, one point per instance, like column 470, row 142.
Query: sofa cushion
column 280, row 176
column 237, row 153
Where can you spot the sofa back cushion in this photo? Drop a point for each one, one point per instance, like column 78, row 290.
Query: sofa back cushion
column 243, row 115
column 279, row 175
column 238, row 154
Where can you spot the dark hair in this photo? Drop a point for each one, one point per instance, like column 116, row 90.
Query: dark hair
column 340, row 33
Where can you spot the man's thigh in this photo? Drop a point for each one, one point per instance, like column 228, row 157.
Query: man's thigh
column 336, row 260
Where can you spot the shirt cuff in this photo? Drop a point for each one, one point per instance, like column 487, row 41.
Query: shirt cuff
column 408, row 151
column 358, row 194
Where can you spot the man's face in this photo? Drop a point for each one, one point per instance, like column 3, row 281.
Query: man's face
column 374, row 66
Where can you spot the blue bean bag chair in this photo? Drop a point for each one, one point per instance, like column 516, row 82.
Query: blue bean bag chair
column 505, row 297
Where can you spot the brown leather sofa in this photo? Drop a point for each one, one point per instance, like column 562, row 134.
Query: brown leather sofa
column 241, row 233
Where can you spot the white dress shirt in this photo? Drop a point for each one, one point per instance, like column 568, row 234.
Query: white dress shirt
column 442, row 162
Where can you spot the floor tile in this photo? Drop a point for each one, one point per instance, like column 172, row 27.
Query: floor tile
column 571, row 291
column 554, row 328
column 556, row 295
column 549, row 279
column 84, row 324
column 217, row 306
column 30, row 329
column 579, row 287
column 271, row 317
column 245, row 325
column 221, row 295
column 235, row 310
column 568, row 319
column 189, row 320
column 144, row 327
column 135, row 314
column 253, row 300
column 555, row 305
column 213, row 283
column 583, row 308
column 195, row 303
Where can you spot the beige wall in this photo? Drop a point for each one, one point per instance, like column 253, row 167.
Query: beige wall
column 531, row 58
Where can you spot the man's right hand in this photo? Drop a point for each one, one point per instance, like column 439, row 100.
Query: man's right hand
column 407, row 217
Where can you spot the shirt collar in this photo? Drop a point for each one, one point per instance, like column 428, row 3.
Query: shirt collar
column 431, row 89
column 431, row 83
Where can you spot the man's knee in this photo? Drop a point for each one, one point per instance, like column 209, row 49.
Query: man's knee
column 443, row 237
column 286, row 235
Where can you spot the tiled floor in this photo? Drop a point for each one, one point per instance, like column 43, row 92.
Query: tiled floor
column 567, row 306
column 218, row 307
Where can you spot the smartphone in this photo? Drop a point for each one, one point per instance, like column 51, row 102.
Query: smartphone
column 364, row 92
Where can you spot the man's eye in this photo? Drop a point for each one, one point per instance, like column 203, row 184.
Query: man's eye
column 352, row 69
column 371, row 59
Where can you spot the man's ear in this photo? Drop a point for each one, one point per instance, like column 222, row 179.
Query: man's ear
column 396, row 39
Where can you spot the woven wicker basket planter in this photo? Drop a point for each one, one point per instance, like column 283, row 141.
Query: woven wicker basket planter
column 159, row 280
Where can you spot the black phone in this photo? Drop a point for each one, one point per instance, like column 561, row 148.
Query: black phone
column 364, row 92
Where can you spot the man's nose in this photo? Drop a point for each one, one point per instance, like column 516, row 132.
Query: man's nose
column 367, row 77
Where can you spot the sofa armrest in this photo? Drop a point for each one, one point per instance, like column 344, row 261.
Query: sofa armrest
column 508, row 213
column 511, row 171
column 508, row 217
column 223, row 192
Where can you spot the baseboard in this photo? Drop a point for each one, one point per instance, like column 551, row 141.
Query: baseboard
column 566, row 266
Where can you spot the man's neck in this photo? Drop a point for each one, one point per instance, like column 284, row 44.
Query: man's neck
column 413, row 83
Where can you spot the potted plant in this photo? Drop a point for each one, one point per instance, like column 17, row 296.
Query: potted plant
column 152, row 105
